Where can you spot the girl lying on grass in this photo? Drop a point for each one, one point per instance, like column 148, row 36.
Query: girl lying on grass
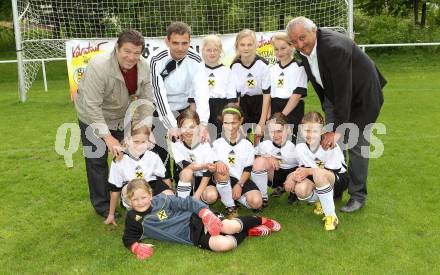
column 186, row 221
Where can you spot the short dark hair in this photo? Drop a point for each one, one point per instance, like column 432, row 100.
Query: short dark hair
column 131, row 36
column 178, row 27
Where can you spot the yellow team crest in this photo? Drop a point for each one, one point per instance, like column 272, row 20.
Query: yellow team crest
column 320, row 163
column 139, row 174
column 137, row 218
column 250, row 83
column 162, row 215
column 280, row 82
column 211, row 83
column 231, row 158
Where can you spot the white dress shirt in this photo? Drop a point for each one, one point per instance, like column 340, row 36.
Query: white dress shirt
column 313, row 61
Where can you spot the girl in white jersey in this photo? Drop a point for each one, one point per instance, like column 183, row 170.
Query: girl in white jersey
column 194, row 160
column 276, row 157
column 135, row 162
column 252, row 81
column 235, row 156
column 221, row 88
column 321, row 170
column 288, row 82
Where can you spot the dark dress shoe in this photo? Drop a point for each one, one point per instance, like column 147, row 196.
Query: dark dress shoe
column 352, row 206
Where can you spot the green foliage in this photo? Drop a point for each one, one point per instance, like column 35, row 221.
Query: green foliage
column 48, row 226
column 385, row 29
column 7, row 39
column 5, row 10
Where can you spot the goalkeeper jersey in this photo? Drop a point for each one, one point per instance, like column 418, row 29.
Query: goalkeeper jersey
column 167, row 219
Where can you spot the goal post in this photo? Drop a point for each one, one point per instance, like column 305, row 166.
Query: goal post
column 43, row 26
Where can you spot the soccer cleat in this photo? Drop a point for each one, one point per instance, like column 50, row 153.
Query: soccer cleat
column 317, row 208
column 265, row 202
column 273, row 225
column 277, row 191
column 231, row 212
column 330, row 222
column 292, row 198
column 260, row 230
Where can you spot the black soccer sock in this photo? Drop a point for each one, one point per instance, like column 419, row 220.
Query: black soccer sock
column 248, row 222
column 239, row 237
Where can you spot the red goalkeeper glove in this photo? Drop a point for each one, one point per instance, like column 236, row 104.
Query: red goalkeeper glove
column 211, row 221
column 142, row 251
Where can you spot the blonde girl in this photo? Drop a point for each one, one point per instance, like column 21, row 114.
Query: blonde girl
column 221, row 88
column 252, row 81
column 135, row 162
column 288, row 82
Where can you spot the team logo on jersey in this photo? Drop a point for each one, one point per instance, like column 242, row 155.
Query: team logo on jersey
column 162, row 215
column 211, row 83
column 280, row 82
column 319, row 163
column 138, row 172
column 192, row 157
column 231, row 158
column 137, row 218
column 250, row 81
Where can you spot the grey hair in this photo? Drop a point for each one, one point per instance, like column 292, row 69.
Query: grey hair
column 303, row 21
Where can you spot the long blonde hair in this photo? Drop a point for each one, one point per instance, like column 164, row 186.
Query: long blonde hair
column 242, row 34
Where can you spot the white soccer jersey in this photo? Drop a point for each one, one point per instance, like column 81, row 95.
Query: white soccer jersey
column 252, row 80
column 148, row 167
column 286, row 153
column 288, row 80
column 332, row 159
column 237, row 156
column 220, row 84
column 176, row 83
column 200, row 154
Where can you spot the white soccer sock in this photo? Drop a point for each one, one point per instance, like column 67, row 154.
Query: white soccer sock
column 183, row 189
column 325, row 195
column 225, row 191
column 310, row 199
column 260, row 179
column 243, row 201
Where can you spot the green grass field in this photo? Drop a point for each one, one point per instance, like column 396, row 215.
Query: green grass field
column 47, row 224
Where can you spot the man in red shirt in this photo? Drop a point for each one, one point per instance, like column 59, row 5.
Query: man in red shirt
column 111, row 82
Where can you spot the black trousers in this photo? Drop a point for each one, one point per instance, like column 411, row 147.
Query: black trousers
column 358, row 158
column 97, row 170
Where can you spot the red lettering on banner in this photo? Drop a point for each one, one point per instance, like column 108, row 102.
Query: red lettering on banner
column 77, row 51
column 262, row 42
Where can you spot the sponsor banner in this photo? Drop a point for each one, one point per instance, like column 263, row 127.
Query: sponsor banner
column 78, row 55
column 79, row 52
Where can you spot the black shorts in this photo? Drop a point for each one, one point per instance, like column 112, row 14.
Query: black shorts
column 158, row 186
column 280, row 175
column 197, row 180
column 216, row 106
column 341, row 182
column 198, row 235
column 251, row 106
column 249, row 185
column 294, row 117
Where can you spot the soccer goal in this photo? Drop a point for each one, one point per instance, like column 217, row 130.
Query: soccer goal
column 43, row 26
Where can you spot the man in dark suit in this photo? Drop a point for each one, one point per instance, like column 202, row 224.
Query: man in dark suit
column 349, row 87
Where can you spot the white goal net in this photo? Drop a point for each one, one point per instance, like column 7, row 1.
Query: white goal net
column 46, row 24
